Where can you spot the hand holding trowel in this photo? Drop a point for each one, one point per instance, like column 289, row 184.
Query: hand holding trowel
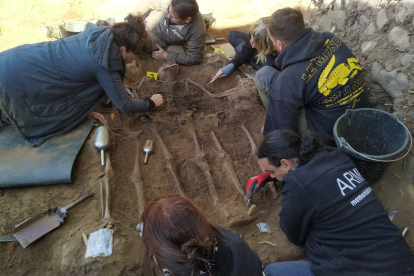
column 34, row 228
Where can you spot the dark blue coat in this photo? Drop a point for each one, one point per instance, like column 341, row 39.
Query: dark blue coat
column 47, row 88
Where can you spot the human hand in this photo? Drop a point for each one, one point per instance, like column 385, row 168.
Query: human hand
column 97, row 116
column 160, row 54
column 157, row 99
column 219, row 74
column 254, row 184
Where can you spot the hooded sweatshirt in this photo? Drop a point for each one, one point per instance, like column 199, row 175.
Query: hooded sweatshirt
column 319, row 73
column 47, row 88
column 328, row 206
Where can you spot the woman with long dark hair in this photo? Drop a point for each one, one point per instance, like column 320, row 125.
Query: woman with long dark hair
column 328, row 206
column 179, row 241
column 48, row 88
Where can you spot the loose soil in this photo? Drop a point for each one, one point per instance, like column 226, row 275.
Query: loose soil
column 186, row 160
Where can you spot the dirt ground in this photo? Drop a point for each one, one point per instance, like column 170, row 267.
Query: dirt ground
column 198, row 140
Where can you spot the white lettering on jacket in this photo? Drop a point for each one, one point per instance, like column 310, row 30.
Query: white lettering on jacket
column 351, row 178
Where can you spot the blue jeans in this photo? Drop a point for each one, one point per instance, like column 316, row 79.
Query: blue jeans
column 292, row 268
column 237, row 40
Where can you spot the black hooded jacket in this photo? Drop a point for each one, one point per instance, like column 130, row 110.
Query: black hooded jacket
column 320, row 73
column 328, row 206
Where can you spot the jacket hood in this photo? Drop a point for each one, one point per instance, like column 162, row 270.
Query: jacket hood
column 305, row 47
column 101, row 45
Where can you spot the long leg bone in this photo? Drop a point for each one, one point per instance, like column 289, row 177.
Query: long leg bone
column 201, row 163
column 169, row 160
column 136, row 179
column 254, row 154
column 228, row 164
column 108, row 174
column 219, row 95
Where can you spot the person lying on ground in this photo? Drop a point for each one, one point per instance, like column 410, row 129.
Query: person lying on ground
column 319, row 78
column 254, row 47
column 48, row 88
column 329, row 207
column 179, row 241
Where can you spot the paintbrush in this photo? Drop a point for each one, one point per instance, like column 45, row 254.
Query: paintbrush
column 212, row 80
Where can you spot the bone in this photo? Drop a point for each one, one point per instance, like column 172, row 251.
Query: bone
column 140, row 84
column 254, row 154
column 169, row 160
column 228, row 164
column 136, row 179
column 108, row 174
column 219, row 95
column 201, row 163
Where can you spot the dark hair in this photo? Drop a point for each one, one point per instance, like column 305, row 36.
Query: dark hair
column 185, row 8
column 287, row 144
column 286, row 24
column 132, row 34
column 175, row 232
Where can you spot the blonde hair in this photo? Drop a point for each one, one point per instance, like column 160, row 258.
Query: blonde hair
column 260, row 37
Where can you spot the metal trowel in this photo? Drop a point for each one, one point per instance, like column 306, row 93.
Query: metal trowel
column 34, row 228
column 102, row 141
column 147, row 150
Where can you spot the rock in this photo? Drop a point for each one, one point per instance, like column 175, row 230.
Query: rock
column 325, row 23
column 404, row 11
column 363, row 5
column 367, row 46
column 315, row 27
column 371, row 29
column 363, row 21
column 382, row 19
column 406, row 60
column 392, row 82
column 399, row 38
column 338, row 18
column 341, row 5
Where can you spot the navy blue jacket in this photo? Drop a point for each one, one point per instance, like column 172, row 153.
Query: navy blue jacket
column 248, row 52
column 328, row 206
column 317, row 72
column 47, row 88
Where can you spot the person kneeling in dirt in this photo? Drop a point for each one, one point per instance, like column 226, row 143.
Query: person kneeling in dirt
column 172, row 24
column 48, row 88
column 328, row 206
column 319, row 78
column 254, row 47
column 179, row 240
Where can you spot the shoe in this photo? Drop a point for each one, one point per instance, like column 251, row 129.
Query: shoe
column 51, row 32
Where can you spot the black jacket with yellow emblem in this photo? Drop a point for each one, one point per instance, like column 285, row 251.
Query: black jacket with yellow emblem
column 317, row 72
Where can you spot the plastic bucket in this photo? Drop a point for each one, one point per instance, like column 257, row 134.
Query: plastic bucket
column 373, row 138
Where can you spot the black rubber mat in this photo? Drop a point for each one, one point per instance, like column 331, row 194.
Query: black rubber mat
column 50, row 163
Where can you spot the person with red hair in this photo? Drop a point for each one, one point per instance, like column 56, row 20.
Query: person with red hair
column 179, row 240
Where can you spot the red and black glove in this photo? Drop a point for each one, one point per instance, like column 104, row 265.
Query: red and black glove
column 256, row 183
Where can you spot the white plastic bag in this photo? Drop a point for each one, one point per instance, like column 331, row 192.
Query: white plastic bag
column 100, row 243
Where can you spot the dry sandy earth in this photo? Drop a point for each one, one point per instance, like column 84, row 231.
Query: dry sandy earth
column 188, row 118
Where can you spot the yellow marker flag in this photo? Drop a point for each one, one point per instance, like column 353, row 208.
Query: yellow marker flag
column 152, row 75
